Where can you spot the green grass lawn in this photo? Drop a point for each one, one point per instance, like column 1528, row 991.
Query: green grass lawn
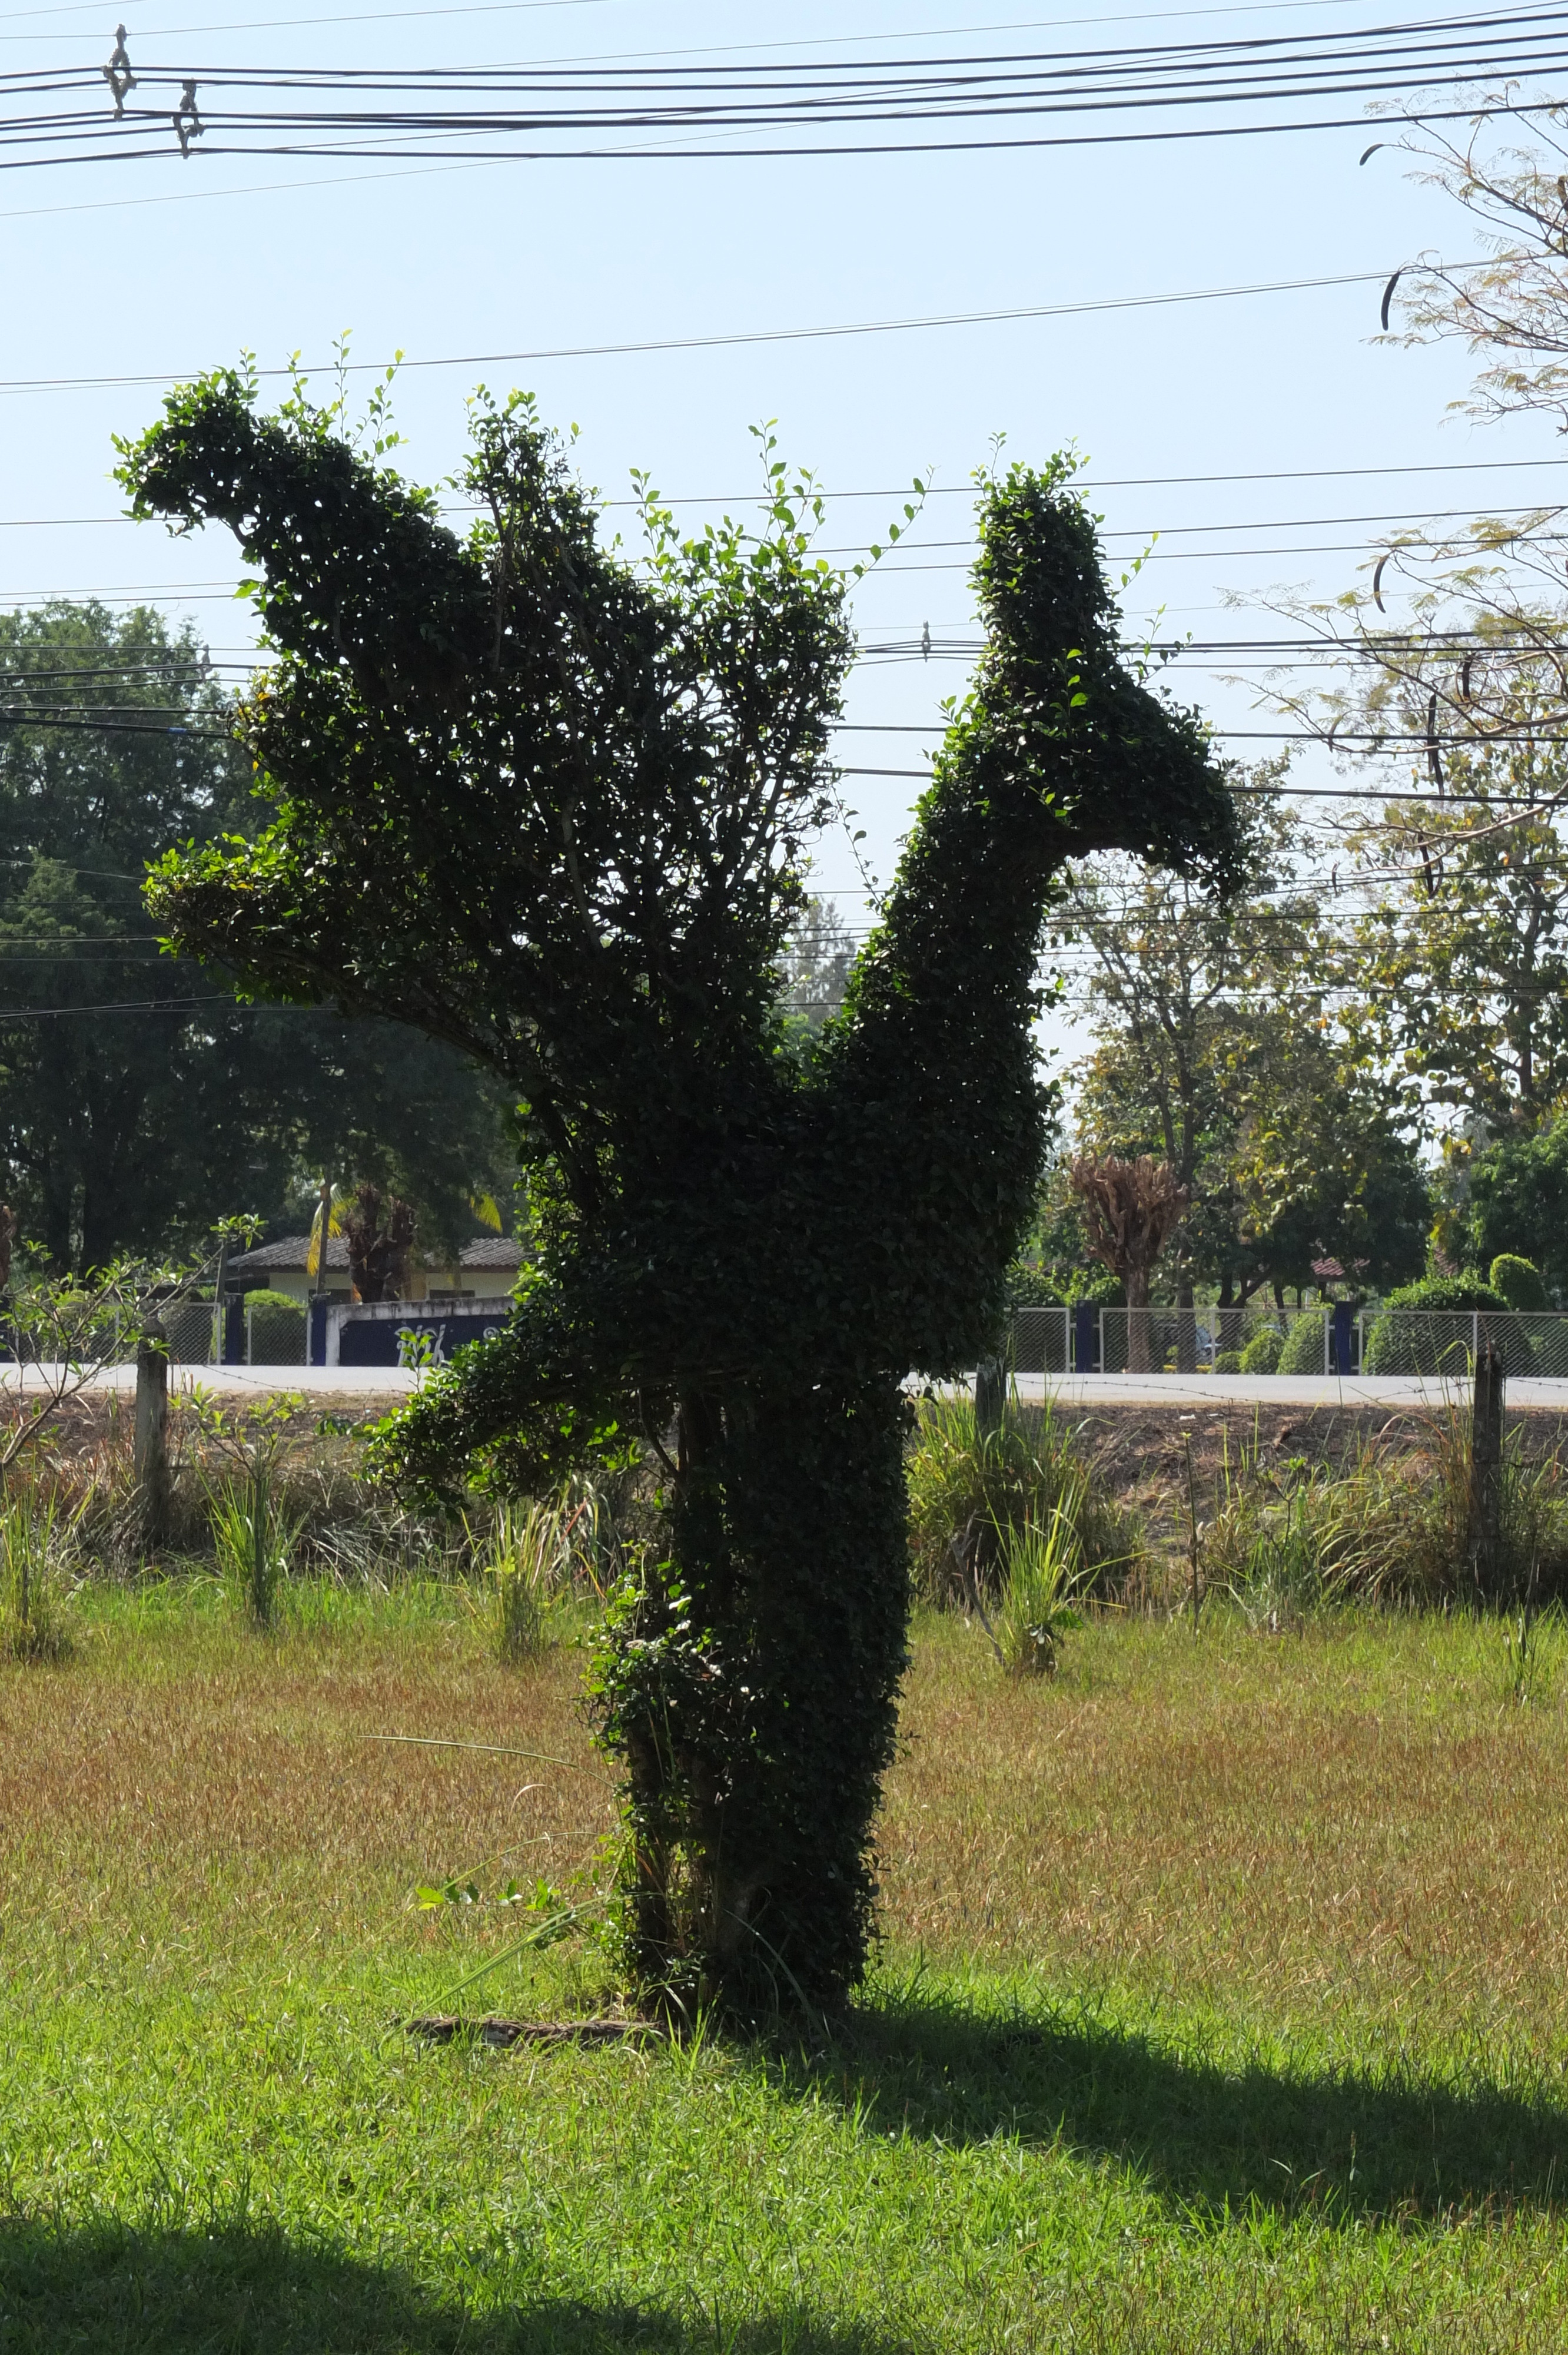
column 1223, row 2006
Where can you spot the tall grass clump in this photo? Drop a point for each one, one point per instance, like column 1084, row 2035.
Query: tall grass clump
column 1034, row 1599
column 1287, row 1545
column 970, row 1490
column 252, row 1540
column 526, row 1561
column 36, row 1545
column 1393, row 1529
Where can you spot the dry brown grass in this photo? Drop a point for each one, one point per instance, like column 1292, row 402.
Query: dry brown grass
column 1350, row 1821
column 155, row 1786
column 1353, row 1820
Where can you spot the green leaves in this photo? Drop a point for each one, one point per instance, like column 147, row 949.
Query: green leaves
column 555, row 807
column 541, row 1897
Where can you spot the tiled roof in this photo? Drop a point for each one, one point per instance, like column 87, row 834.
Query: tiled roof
column 494, row 1255
column 290, row 1253
column 493, row 1251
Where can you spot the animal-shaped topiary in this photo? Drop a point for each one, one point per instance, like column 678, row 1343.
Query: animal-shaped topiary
column 551, row 806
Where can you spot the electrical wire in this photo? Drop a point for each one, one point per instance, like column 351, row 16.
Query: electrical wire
column 403, row 365
column 741, row 107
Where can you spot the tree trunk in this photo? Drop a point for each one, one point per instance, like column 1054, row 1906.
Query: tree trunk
column 1230, row 1323
column 756, row 1751
column 1136, row 1281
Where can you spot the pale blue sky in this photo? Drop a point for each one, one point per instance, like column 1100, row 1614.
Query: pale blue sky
column 159, row 267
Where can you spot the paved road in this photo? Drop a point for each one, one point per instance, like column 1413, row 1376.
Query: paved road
column 1215, row 1390
column 318, row 1381
column 1186, row 1392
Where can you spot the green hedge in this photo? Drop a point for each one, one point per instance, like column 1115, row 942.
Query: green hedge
column 1304, row 1345
column 1417, row 1343
column 1519, row 1281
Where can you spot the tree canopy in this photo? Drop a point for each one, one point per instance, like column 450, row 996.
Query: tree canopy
column 551, row 806
column 140, row 1101
column 1219, row 1045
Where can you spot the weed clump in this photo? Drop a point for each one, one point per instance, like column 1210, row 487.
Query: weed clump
column 525, row 1562
column 252, row 1540
column 36, row 1549
column 973, row 1493
column 1393, row 1529
column 1035, row 1604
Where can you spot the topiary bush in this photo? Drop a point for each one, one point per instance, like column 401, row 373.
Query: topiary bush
column 1261, row 1355
column 1301, row 1352
column 1428, row 1329
column 1519, row 1281
column 1228, row 1362
column 576, row 794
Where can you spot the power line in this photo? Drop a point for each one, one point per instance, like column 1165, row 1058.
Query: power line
column 17, row 385
column 951, row 490
column 722, row 104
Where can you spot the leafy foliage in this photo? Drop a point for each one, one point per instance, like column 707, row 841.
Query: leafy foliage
column 1214, row 1051
column 132, row 1131
column 577, row 794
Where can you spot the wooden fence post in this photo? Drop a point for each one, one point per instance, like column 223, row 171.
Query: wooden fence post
column 990, row 1395
column 152, row 1443
column 1484, row 1537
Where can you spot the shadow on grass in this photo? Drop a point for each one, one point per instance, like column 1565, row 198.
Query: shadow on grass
column 1393, row 2144
column 110, row 2289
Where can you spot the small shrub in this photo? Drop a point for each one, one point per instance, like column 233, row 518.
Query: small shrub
column 1261, row 1355
column 1034, row 1607
column 1519, row 1282
column 1228, row 1362
column 35, row 1545
column 1301, row 1352
column 263, row 1297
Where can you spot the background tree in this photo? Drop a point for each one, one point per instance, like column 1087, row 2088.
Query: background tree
column 817, row 961
column 577, row 797
column 380, row 1244
column 1130, row 1208
column 1218, row 1050
column 1457, row 974
column 139, row 1101
column 1461, row 637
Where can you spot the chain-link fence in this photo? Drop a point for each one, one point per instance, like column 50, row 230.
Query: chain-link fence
column 1337, row 1340
column 192, row 1330
column 274, row 1333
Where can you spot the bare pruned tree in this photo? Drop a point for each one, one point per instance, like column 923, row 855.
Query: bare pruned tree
column 1130, row 1208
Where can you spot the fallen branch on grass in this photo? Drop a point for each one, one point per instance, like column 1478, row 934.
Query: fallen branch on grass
column 448, row 2028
